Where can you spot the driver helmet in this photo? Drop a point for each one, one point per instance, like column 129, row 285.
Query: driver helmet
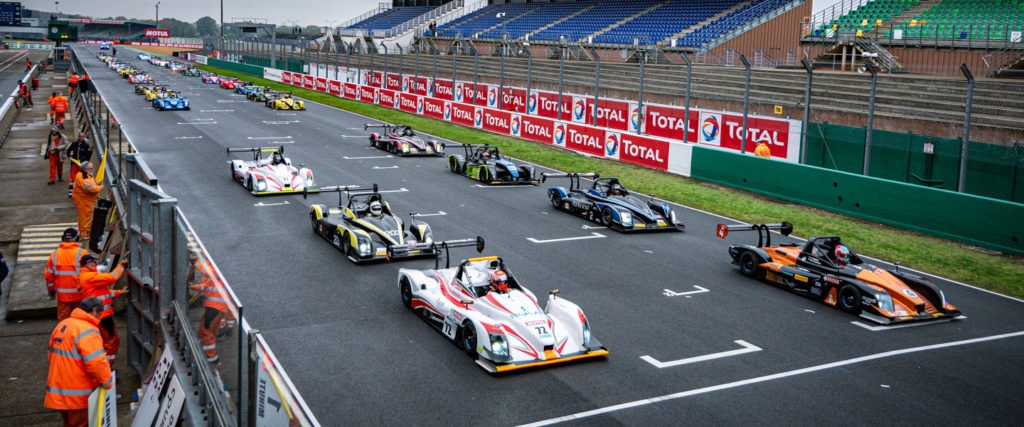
column 617, row 189
column 277, row 159
column 842, row 255
column 485, row 154
column 499, row 281
column 376, row 209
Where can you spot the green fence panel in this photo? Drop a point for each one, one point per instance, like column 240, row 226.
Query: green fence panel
column 251, row 70
column 991, row 223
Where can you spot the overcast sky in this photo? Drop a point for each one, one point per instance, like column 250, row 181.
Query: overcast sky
column 294, row 12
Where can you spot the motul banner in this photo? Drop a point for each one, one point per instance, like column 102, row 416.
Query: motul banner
column 158, row 33
column 321, row 84
column 462, row 114
column 410, row 103
column 435, row 108
column 443, row 89
column 513, row 99
column 496, row 120
column 334, row 87
column 535, row 129
column 351, row 91
column 286, row 77
column 308, row 82
column 584, row 139
column 637, row 150
column 393, row 82
column 387, row 98
column 667, row 122
column 546, row 105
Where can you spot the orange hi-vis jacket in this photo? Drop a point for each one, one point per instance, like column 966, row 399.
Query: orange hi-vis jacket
column 73, row 79
column 78, row 363
column 62, row 270
column 214, row 294
column 95, row 284
column 60, row 104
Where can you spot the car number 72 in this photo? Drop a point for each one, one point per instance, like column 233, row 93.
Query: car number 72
column 449, row 327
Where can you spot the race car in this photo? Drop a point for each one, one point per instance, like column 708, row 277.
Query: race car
column 243, row 88
column 403, row 141
column 156, row 92
column 139, row 78
column 104, row 45
column 826, row 270
column 171, row 101
column 366, row 229
column 191, row 72
column 490, row 315
column 125, row 70
column 262, row 95
column 143, row 56
column 284, row 101
column 211, row 78
column 141, row 89
column 228, row 82
column 485, row 163
column 269, row 172
column 610, row 204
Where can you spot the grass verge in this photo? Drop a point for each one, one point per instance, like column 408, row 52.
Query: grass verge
column 978, row 267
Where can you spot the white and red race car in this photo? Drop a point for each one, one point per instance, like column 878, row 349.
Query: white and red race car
column 403, row 141
column 503, row 329
column 270, row 172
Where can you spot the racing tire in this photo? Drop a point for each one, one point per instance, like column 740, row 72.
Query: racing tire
column 249, row 186
column 482, row 175
column 849, row 299
column 406, row 289
column 749, row 265
column 312, row 221
column 556, row 200
column 453, row 165
column 467, row 338
column 606, row 216
column 346, row 246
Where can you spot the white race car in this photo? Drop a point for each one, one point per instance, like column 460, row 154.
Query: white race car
column 481, row 307
column 270, row 172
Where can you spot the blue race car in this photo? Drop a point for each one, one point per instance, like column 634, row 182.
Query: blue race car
column 171, row 101
column 608, row 203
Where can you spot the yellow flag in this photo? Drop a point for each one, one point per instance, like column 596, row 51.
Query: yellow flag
column 103, row 164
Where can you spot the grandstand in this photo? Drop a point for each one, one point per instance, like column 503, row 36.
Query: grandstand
column 108, row 29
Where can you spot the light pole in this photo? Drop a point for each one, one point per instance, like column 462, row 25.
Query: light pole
column 157, row 21
column 56, row 6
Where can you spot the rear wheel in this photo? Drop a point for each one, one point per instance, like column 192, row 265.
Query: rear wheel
column 406, row 288
column 749, row 264
column 468, row 338
column 849, row 299
column 312, row 221
column 606, row 216
column 556, row 200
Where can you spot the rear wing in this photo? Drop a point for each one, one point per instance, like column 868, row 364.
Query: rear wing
column 342, row 191
column 574, row 177
column 256, row 150
column 401, row 250
column 764, row 237
column 378, row 125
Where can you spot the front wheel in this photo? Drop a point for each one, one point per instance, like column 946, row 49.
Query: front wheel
column 749, row 264
column 453, row 165
column 406, row 289
column 312, row 221
column 606, row 216
column 556, row 200
column 468, row 338
column 849, row 299
column 482, row 175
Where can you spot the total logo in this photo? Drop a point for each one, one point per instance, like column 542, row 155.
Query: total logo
column 458, row 93
column 419, row 106
column 405, row 84
column 396, row 101
column 579, row 109
column 516, row 125
column 376, row 97
column 634, row 119
column 478, row 117
column 559, row 137
column 447, row 111
column 531, row 104
column 611, row 145
column 430, row 90
column 711, row 129
column 492, row 97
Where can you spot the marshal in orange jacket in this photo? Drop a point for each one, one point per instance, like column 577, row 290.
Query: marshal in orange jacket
column 77, row 363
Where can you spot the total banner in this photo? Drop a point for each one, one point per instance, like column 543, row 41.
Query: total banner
column 467, row 94
column 531, row 128
column 443, row 89
column 321, row 84
column 512, row 99
column 436, row 109
column 334, row 87
column 462, row 114
column 725, row 130
column 667, row 122
column 581, row 138
column 423, row 87
column 410, row 103
column 496, row 121
column 308, row 82
column 387, row 98
column 393, row 81
column 286, row 77
column 545, row 104
column 351, row 91
column 638, row 150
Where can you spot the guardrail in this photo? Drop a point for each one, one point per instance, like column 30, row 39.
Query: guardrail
column 9, row 111
column 223, row 382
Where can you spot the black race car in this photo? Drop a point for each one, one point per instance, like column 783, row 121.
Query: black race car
column 485, row 163
column 609, row 203
column 403, row 141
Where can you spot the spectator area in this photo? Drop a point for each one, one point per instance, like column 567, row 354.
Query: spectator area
column 948, row 19
column 390, row 18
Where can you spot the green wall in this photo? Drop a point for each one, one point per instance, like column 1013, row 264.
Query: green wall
column 991, row 223
column 251, row 70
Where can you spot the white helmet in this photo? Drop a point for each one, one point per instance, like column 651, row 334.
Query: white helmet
column 376, row 209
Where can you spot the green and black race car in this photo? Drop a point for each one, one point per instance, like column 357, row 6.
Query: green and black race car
column 485, row 163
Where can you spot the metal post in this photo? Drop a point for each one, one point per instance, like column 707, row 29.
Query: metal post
column 401, row 67
column 476, row 73
column 746, row 104
column 871, row 117
column 686, row 113
column 640, row 94
column 384, row 81
column 416, row 72
column 964, row 145
column 807, row 109
column 372, row 68
column 501, row 69
column 273, row 46
column 454, row 57
column 433, row 76
column 597, row 85
column 529, row 75
column 359, row 67
column 561, row 73
column 318, row 49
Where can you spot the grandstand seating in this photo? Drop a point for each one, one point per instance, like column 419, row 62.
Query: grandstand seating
column 948, row 19
column 390, row 18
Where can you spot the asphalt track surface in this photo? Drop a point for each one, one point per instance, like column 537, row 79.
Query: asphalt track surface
column 360, row 358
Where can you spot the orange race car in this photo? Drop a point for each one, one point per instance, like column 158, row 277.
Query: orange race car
column 826, row 270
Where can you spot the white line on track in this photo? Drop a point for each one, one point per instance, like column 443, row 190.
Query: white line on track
column 189, row 137
column 439, row 213
column 268, row 137
column 671, row 293
column 385, row 167
column 197, row 123
column 354, row 136
column 500, row 186
column 366, row 157
column 231, row 100
column 566, row 239
column 766, row 378
column 400, row 190
column 591, row 227
column 216, row 111
column 261, row 204
column 873, row 328
column 279, row 122
column 747, row 348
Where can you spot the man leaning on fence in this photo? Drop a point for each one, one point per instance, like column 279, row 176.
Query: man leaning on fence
column 62, row 271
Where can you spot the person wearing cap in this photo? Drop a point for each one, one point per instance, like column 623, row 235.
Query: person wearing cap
column 762, row 150
column 76, row 365
column 62, row 271
column 79, row 151
column 217, row 317
column 94, row 284
column 56, row 151
column 84, row 195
